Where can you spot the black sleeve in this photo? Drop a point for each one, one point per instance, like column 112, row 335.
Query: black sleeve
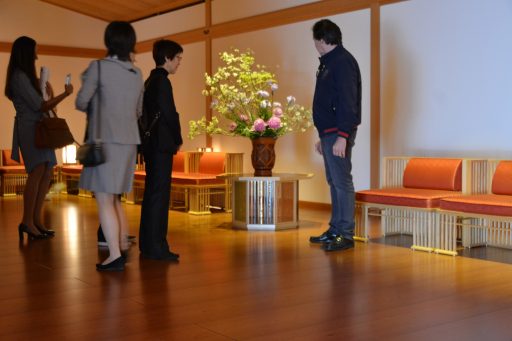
column 167, row 108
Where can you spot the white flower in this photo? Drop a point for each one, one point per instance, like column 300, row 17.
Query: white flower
column 290, row 100
column 263, row 93
column 264, row 104
column 277, row 104
column 274, row 86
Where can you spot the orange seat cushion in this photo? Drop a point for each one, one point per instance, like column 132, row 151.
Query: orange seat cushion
column 178, row 162
column 7, row 161
column 433, row 173
column 487, row 204
column 139, row 175
column 71, row 169
column 502, row 179
column 12, row 169
column 196, row 179
column 212, row 163
column 411, row 197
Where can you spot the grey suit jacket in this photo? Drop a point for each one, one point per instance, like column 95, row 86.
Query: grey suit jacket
column 121, row 100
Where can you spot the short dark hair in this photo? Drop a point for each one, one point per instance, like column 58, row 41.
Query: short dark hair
column 328, row 31
column 23, row 58
column 120, row 39
column 165, row 48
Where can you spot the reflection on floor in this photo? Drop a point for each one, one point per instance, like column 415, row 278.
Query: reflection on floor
column 489, row 253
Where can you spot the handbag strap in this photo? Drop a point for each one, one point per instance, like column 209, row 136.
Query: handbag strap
column 97, row 133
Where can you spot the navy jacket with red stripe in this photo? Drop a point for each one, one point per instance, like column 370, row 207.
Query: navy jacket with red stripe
column 337, row 99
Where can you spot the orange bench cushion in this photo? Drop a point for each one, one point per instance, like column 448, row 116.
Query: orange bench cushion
column 487, row 204
column 71, row 169
column 212, row 163
column 433, row 173
column 411, row 197
column 196, row 179
column 502, row 179
column 7, row 161
column 178, row 162
column 13, row 169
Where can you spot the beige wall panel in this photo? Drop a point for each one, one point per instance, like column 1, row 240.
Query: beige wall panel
column 170, row 23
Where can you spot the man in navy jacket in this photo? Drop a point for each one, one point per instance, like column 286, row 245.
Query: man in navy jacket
column 336, row 114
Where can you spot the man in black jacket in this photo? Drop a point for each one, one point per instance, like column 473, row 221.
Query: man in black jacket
column 161, row 141
column 336, row 114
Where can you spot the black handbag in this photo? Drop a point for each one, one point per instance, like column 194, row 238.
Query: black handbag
column 52, row 132
column 92, row 154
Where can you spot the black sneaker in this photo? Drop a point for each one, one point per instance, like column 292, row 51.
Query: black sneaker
column 339, row 243
column 325, row 237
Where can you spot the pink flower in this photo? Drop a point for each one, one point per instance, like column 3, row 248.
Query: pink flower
column 244, row 117
column 274, row 122
column 278, row 112
column 232, row 126
column 259, row 125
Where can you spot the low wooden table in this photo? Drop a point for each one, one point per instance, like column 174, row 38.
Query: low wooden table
column 266, row 203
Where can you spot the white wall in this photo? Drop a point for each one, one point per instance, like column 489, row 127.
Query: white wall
column 289, row 52
column 446, row 78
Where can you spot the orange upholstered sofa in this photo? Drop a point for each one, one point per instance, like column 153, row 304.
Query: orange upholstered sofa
column 481, row 219
column 12, row 174
column 412, row 189
column 195, row 185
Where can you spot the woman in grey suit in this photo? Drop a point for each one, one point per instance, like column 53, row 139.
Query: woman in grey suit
column 23, row 89
column 115, row 86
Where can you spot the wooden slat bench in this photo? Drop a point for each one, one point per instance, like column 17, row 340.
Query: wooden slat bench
column 411, row 193
column 12, row 175
column 483, row 219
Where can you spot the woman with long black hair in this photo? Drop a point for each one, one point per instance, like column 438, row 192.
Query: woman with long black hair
column 22, row 88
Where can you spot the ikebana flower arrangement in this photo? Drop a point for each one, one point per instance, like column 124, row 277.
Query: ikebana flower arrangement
column 243, row 98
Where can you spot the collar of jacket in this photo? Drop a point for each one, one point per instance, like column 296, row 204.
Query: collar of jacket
column 124, row 64
column 159, row 71
column 330, row 55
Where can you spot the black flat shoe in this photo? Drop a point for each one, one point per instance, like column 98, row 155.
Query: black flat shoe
column 116, row 265
column 45, row 231
column 22, row 228
column 325, row 237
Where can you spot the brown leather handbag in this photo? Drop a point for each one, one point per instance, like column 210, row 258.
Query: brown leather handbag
column 52, row 132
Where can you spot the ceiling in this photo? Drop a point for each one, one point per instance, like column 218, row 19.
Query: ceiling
column 125, row 10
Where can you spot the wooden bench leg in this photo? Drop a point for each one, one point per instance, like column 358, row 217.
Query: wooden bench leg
column 199, row 200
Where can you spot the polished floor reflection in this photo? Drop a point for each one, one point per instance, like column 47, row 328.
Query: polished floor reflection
column 239, row 285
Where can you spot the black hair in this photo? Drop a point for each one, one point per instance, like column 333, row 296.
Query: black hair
column 328, row 31
column 23, row 58
column 120, row 39
column 165, row 48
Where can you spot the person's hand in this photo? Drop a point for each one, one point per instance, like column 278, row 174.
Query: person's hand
column 318, row 147
column 339, row 147
column 49, row 90
column 68, row 89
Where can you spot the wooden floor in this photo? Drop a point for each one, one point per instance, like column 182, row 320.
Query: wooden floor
column 238, row 285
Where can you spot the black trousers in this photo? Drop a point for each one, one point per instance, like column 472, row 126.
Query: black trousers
column 155, row 205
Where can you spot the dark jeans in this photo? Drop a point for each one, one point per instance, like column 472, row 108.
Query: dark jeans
column 339, row 177
column 155, row 205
